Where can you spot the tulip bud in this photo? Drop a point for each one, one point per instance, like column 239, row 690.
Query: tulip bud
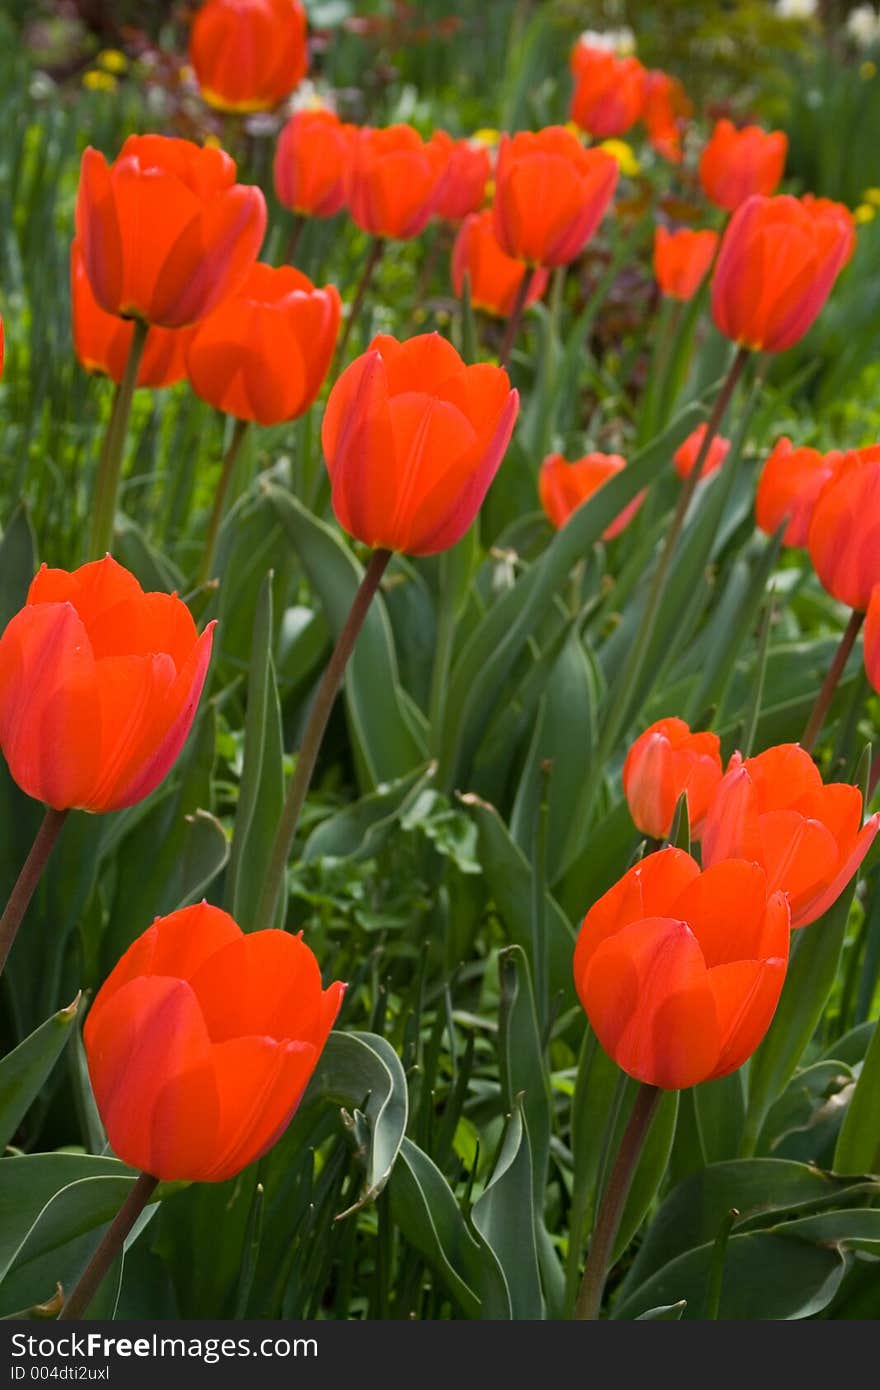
column 664, row 762
column 681, row 260
column 790, row 483
column 736, row 164
column 563, row 487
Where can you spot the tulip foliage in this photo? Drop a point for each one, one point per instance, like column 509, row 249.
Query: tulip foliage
column 439, row 681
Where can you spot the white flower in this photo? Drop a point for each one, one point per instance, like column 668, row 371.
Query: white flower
column 621, row 41
column 796, row 9
column 863, row 26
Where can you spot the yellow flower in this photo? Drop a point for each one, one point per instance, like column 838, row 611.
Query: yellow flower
column 865, row 213
column 623, row 153
column 97, row 81
column 486, row 136
column 872, row 196
column 212, row 142
column 867, row 70
column 111, row 60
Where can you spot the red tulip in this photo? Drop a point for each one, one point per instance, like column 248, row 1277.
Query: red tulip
column 494, row 277
column 412, row 439
column 166, row 233
column 202, row 1041
column 550, row 195
column 680, row 970
column 736, row 164
column 666, row 109
column 462, row 185
column 248, row 55
column 99, row 683
column 809, row 838
column 311, row 163
column 393, row 180
column 872, row 639
column 788, row 487
column 681, row 260
column 609, row 93
column 844, row 530
column 102, row 341
column 686, row 455
column 563, row 487
column 779, row 259
column 264, row 353
column 666, row 760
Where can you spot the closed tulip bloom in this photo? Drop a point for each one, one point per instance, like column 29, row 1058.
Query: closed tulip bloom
column 778, row 261
column 550, row 195
column 665, row 761
column 872, row 639
column 263, row 355
column 494, row 277
column 679, row 970
column 844, row 532
column 681, row 260
column 202, row 1041
column 685, row 457
column 311, row 163
column 412, row 439
column 102, row 341
column 99, row 684
column 248, row 55
column 563, row 487
column 166, row 233
column 788, row 487
column 667, row 107
column 462, row 185
column 609, row 92
column 739, row 163
column 775, row 810
column 393, row 179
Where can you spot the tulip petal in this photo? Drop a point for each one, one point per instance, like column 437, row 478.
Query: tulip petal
column 746, row 993
column 260, row 1083
column 210, row 257
column 813, row 910
column 99, row 232
column 799, row 856
column 174, row 945
column 92, row 589
column 134, row 696
column 264, row 983
column 724, row 908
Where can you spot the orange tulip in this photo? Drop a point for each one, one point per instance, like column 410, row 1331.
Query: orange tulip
column 680, row 970
column 667, row 108
column 844, row 530
column 201, row 1042
column 165, row 231
column 685, row 456
column 264, row 353
column 609, row 92
column 462, row 185
column 739, row 163
column 788, row 487
column 412, row 439
column 779, row 259
column 311, row 163
column 563, row 487
column 99, row 684
column 808, row 838
column 666, row 760
column 102, row 341
column 494, row 276
column 872, row 639
column 393, row 180
column 248, row 55
column 550, row 195
column 681, row 260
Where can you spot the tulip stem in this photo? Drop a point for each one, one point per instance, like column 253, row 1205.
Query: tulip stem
column 110, row 465
column 296, row 232
column 513, row 323
column 589, row 1299
column 364, row 283
column 312, row 737
column 829, row 685
column 230, row 458
column 27, row 880
column 114, row 1237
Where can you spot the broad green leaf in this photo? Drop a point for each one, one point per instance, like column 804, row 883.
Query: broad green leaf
column 853, row 1229
column 503, row 1217
column 18, row 561
column 858, row 1144
column 24, row 1070
column 523, row 1068
column 720, row 1112
column 650, row 1169
column 670, row 1312
column 430, row 1219
column 361, row 829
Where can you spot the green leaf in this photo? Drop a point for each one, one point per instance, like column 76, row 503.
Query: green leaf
column 670, row 1312
column 430, row 1219
column 24, row 1070
column 503, row 1217
column 651, row 1167
column 858, row 1144
column 720, row 1112
column 362, row 828
column 18, row 561
column 523, row 1069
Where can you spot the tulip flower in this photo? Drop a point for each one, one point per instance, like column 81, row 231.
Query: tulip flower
column 550, row 195
column 790, row 482
column 872, row 639
column 844, row 530
column 202, row 1041
column 778, row 261
column 493, row 276
column 165, row 231
column 680, row 970
column 736, row 164
column 311, row 163
column 263, row 355
column 413, row 438
column 609, row 93
column 102, row 341
column 681, row 260
column 393, row 181
column 685, row 457
column 248, row 55
column 462, row 185
column 99, row 684
column 664, row 762
column 666, row 109
column 808, row 837
column 563, row 487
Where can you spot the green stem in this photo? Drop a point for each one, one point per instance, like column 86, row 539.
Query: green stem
column 716, row 1269
column 589, row 1299
column 110, row 466
column 93, row 1275
column 314, row 733
column 513, row 323
column 829, row 685
column 27, row 880
column 296, row 232
column 230, row 458
column 364, row 283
